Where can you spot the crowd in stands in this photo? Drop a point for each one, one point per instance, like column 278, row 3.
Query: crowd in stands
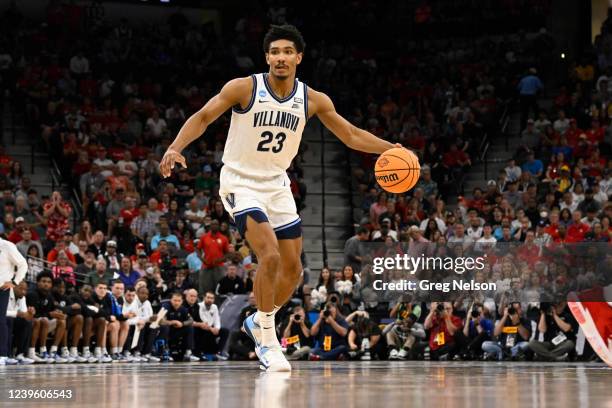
column 140, row 275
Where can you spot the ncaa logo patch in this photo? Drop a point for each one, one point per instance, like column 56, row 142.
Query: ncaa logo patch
column 383, row 162
column 298, row 100
column 262, row 93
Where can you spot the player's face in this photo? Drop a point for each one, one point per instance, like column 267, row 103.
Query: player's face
column 283, row 59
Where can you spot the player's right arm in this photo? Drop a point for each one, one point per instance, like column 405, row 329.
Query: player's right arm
column 235, row 92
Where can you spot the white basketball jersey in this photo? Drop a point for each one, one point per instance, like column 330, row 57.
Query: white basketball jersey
column 264, row 138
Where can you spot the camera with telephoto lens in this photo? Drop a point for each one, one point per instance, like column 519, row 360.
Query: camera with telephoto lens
column 297, row 317
column 334, row 298
column 475, row 314
column 327, row 312
column 439, row 308
column 546, row 307
column 512, row 310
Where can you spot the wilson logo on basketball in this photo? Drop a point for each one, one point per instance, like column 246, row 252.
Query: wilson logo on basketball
column 383, row 162
column 387, row 178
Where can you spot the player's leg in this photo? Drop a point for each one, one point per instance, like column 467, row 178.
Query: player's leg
column 290, row 270
column 262, row 241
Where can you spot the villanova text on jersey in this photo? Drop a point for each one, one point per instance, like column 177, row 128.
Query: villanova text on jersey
column 276, row 118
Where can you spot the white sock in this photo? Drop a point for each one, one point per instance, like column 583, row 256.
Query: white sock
column 53, row 349
column 115, row 350
column 43, row 349
column 256, row 318
column 98, row 351
column 268, row 333
column 31, row 352
column 187, row 352
column 74, row 351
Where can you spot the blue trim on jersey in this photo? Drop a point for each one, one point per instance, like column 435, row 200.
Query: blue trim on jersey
column 306, row 101
column 251, row 102
column 289, row 231
column 240, row 218
column 281, row 100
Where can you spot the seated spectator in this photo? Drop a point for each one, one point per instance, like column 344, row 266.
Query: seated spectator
column 364, row 337
column 62, row 270
column 127, row 274
column 118, row 327
column 26, row 240
column 442, row 326
column 101, row 307
column 100, row 274
column 330, row 331
column 165, row 235
column 86, row 267
column 19, row 318
column 296, row 335
column 60, row 246
column 230, row 284
column 177, row 327
column 532, row 165
column 143, row 225
column 48, row 320
column 112, row 257
column 98, row 246
column 20, row 227
column 559, row 328
column 74, row 321
column 209, row 336
column 182, row 281
column 241, row 347
column 139, row 313
column 512, row 331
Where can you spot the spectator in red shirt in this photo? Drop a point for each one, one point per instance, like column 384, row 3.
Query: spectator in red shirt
column 5, row 162
column 442, row 326
column 215, row 245
column 129, row 212
column 20, row 225
column 596, row 133
column 577, row 229
column 529, row 251
column 56, row 211
column 60, row 247
column 573, row 133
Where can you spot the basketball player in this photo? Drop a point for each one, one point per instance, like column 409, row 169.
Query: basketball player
column 269, row 112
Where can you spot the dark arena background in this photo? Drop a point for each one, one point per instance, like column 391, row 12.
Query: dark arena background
column 507, row 104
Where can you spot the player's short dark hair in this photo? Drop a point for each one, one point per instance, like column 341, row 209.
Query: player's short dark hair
column 176, row 294
column 284, row 32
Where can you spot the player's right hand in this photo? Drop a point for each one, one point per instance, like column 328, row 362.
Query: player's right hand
column 171, row 157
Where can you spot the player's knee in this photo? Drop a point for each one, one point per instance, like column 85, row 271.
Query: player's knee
column 61, row 323
column 270, row 255
column 78, row 319
column 43, row 321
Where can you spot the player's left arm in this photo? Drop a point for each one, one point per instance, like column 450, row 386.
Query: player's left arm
column 358, row 139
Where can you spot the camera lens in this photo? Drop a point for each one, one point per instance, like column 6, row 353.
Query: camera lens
column 440, row 308
column 297, row 318
column 326, row 313
column 475, row 313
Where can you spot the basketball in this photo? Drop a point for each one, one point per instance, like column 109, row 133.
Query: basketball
column 397, row 170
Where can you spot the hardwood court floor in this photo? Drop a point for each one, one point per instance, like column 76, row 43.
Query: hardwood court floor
column 316, row 384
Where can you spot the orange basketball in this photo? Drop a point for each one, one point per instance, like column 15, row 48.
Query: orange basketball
column 397, row 170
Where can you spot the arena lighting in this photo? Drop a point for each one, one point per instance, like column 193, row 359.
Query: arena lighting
column 562, row 55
